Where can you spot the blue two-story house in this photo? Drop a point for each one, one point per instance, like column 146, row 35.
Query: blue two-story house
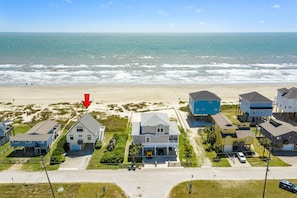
column 204, row 103
column 38, row 139
column 254, row 106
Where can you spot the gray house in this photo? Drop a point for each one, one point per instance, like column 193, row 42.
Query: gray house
column 38, row 139
column 254, row 106
column 283, row 136
column 6, row 130
column 156, row 134
column 86, row 131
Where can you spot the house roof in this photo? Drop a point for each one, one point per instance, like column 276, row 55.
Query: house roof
column 204, row 95
column 88, row 122
column 245, row 133
column 277, row 127
column 289, row 93
column 153, row 119
column 39, row 132
column 43, row 127
column 223, row 122
column 255, row 97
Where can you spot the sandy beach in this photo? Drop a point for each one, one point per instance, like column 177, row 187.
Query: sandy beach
column 123, row 94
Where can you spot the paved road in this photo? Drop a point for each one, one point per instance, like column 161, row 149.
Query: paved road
column 150, row 182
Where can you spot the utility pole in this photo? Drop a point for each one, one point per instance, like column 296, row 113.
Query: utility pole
column 48, row 179
column 267, row 169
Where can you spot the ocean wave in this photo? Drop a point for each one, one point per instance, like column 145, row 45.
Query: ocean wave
column 136, row 73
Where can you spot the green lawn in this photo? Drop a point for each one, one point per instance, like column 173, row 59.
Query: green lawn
column 228, row 189
column 90, row 190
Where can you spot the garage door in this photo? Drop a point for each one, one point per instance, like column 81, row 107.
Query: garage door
column 228, row 148
column 288, row 147
column 75, row 147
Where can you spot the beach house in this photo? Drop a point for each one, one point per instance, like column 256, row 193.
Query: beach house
column 283, row 136
column 157, row 135
column 254, row 106
column 85, row 133
column 231, row 137
column 204, row 103
column 201, row 105
column 286, row 100
column 38, row 139
column 6, row 130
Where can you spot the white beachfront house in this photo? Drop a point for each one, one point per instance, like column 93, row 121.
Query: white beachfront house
column 86, row 131
column 156, row 134
column 286, row 100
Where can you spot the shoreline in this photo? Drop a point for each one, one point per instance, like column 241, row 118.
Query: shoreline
column 172, row 94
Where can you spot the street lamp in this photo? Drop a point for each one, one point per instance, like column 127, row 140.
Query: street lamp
column 44, row 167
column 267, row 169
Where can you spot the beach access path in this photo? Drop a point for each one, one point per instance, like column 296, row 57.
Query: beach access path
column 149, row 182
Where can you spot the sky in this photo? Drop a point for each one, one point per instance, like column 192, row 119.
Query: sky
column 148, row 16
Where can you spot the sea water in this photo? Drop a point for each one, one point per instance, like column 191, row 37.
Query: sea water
column 152, row 58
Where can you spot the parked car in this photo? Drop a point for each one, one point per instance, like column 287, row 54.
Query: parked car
column 132, row 167
column 241, row 157
column 289, row 186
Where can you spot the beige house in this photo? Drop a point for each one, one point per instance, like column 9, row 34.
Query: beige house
column 87, row 130
column 232, row 137
column 156, row 134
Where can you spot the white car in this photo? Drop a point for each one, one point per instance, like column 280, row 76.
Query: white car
column 241, row 157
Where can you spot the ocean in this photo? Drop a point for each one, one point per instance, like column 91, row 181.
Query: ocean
column 152, row 58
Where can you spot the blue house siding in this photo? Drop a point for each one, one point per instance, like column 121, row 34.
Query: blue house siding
column 201, row 107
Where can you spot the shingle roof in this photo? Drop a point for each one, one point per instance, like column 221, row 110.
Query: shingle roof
column 89, row 122
column 204, row 95
column 290, row 93
column 255, row 97
column 277, row 127
column 153, row 119
column 39, row 132
column 223, row 122
column 42, row 127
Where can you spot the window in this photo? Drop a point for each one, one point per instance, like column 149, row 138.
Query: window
column 80, row 136
column 89, row 137
column 28, row 142
column 71, row 137
column 278, row 138
column 147, row 138
column 79, row 129
column 16, row 142
column 160, row 129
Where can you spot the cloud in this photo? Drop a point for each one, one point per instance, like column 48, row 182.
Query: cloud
column 191, row 9
column 201, row 23
column 67, row 1
column 106, row 5
column 276, row 6
column 162, row 13
column 172, row 24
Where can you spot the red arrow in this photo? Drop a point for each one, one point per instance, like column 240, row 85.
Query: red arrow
column 87, row 101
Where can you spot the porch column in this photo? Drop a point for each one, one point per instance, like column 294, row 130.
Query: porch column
column 167, row 150
column 155, row 150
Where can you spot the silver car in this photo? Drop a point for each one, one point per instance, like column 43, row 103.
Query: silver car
column 241, row 157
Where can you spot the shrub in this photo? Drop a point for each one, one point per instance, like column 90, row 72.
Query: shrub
column 57, row 155
column 98, row 145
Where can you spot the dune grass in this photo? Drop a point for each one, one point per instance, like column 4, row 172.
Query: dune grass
column 90, row 190
column 234, row 189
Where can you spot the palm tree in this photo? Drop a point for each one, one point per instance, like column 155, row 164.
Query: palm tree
column 265, row 142
column 134, row 150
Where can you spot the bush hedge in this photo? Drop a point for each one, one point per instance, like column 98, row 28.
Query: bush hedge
column 57, row 155
column 116, row 156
